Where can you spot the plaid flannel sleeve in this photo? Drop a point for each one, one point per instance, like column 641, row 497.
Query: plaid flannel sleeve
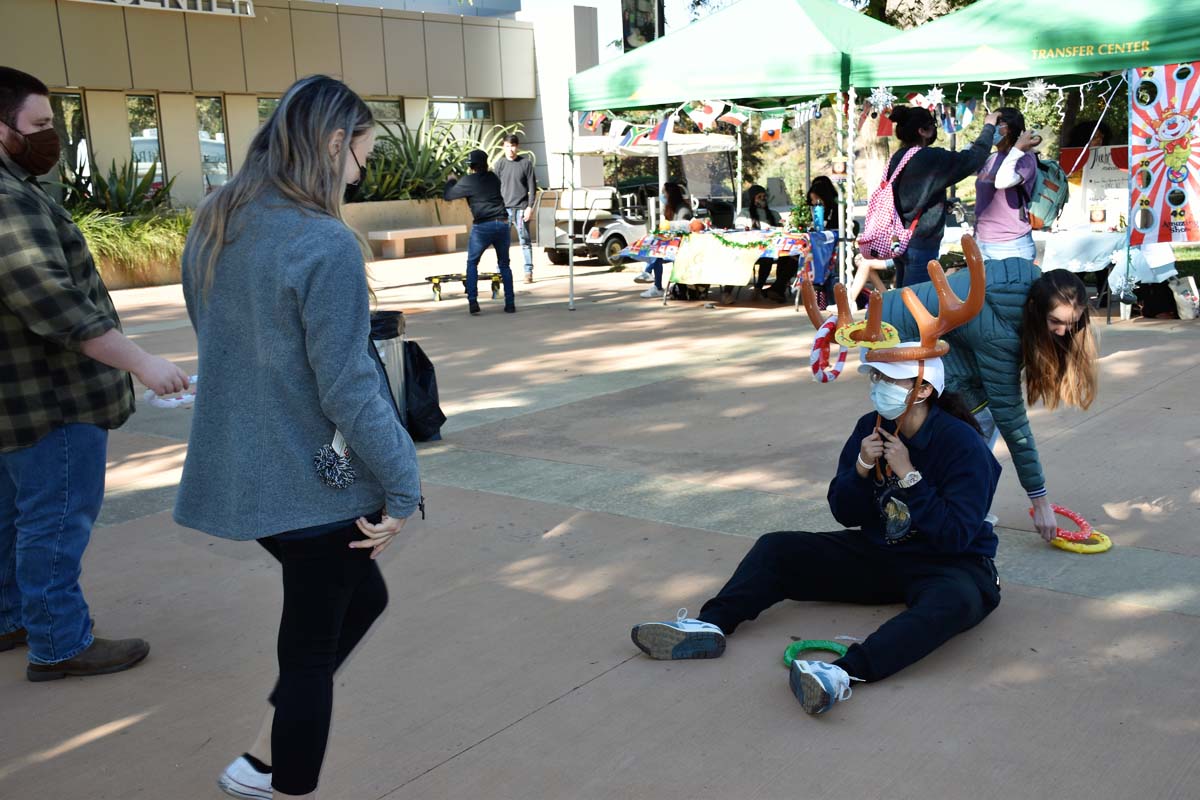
column 35, row 277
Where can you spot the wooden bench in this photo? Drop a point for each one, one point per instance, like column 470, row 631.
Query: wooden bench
column 393, row 241
column 436, row 282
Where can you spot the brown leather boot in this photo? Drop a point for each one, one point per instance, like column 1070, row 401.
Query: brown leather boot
column 103, row 657
column 13, row 638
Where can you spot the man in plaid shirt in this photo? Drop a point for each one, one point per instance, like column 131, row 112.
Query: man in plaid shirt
column 64, row 383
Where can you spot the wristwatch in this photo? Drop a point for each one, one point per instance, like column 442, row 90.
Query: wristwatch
column 909, row 480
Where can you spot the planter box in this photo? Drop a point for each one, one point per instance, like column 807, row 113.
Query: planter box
column 393, row 214
column 155, row 274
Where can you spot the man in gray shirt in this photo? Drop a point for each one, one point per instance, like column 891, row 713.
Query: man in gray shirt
column 519, row 186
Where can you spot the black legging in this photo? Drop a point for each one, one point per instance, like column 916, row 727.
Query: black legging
column 331, row 595
column 945, row 595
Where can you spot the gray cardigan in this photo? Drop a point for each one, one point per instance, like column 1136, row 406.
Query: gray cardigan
column 284, row 360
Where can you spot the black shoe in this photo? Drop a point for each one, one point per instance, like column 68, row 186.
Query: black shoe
column 473, row 306
column 104, row 656
column 510, row 308
column 13, row 638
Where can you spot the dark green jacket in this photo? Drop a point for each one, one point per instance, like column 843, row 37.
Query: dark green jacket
column 984, row 362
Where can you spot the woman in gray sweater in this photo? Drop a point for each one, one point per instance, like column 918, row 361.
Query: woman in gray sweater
column 295, row 442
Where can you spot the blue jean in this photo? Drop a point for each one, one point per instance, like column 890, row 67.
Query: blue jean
column 483, row 235
column 655, row 268
column 50, row 495
column 1021, row 247
column 912, row 266
column 516, row 217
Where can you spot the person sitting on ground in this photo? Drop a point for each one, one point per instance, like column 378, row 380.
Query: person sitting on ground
column 915, row 534
column 920, row 189
column 675, row 208
column 484, row 194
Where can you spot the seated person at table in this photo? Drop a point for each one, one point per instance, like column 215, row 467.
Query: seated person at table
column 823, row 199
column 756, row 215
column 675, row 208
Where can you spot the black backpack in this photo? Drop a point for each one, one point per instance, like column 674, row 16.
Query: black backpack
column 425, row 417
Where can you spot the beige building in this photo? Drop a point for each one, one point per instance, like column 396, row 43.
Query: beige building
column 187, row 89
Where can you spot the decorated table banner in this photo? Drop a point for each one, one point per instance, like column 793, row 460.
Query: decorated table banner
column 1164, row 150
column 706, row 259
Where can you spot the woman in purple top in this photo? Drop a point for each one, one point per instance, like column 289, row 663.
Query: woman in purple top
column 1002, row 189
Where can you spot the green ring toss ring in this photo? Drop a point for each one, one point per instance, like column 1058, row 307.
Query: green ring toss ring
column 796, row 648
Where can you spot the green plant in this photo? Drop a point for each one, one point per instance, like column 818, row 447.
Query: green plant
column 122, row 191
column 801, row 218
column 414, row 163
column 131, row 250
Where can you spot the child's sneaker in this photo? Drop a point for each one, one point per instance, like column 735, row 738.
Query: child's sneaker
column 818, row 685
column 243, row 779
column 683, row 638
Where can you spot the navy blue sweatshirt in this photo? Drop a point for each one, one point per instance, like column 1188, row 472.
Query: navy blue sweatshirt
column 943, row 514
column 482, row 190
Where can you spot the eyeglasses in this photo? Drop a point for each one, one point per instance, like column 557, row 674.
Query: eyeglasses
column 878, row 377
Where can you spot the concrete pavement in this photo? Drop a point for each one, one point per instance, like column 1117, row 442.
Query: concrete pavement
column 608, row 465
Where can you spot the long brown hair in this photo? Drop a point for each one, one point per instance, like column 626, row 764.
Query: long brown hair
column 289, row 154
column 1058, row 369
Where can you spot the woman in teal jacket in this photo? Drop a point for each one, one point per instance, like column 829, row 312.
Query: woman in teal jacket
column 1031, row 323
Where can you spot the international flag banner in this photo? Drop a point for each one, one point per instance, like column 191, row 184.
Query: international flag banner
column 593, row 119
column 735, row 116
column 705, row 114
column 634, row 136
column 617, row 129
column 659, row 132
column 771, row 129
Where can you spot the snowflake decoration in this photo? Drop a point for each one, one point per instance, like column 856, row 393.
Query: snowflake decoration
column 1036, row 92
column 935, row 96
column 882, row 97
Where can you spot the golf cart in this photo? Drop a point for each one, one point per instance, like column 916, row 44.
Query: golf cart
column 601, row 221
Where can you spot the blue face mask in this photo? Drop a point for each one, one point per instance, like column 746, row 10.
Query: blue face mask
column 889, row 399
column 662, row 200
column 997, row 138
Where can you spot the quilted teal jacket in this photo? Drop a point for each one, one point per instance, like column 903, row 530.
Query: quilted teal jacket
column 984, row 362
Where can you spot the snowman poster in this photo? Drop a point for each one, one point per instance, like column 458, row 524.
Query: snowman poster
column 1164, row 153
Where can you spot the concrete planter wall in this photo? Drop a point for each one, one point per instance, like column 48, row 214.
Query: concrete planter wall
column 394, row 214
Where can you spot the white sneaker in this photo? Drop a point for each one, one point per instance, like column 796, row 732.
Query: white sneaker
column 991, row 518
column 652, row 292
column 818, row 685
column 683, row 638
column 242, row 780
column 645, row 277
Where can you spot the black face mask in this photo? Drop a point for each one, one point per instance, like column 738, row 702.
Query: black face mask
column 353, row 188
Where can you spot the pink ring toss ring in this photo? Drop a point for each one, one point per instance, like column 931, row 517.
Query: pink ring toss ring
column 819, row 358
column 1084, row 531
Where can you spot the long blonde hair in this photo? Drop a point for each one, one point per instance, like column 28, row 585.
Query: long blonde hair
column 1058, row 369
column 289, row 154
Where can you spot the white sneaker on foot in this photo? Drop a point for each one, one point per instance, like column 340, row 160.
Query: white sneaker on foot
column 242, row 780
column 652, row 292
column 818, row 685
column 991, row 518
column 645, row 277
column 683, row 638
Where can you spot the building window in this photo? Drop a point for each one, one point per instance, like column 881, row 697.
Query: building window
column 214, row 152
column 142, row 111
column 70, row 123
column 465, row 111
column 266, row 107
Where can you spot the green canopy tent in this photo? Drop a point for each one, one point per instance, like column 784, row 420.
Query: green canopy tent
column 760, row 53
column 1003, row 40
column 757, row 53
column 996, row 40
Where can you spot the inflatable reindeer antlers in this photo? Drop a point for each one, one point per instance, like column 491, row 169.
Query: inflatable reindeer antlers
column 952, row 312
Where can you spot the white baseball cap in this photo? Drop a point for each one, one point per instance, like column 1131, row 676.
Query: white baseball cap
column 935, row 373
